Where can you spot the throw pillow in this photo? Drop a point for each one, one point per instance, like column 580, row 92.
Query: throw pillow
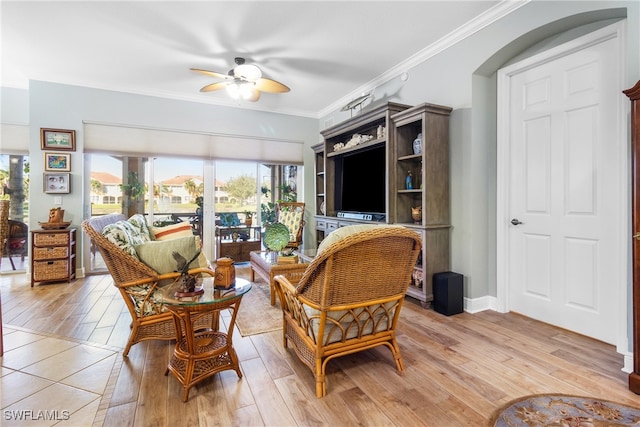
column 343, row 232
column 173, row 231
column 124, row 235
column 159, row 254
column 140, row 224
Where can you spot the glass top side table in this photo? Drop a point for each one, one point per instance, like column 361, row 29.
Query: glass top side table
column 201, row 353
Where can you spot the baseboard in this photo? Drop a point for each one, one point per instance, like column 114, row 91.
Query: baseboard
column 476, row 305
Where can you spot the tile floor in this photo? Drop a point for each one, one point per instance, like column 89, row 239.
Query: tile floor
column 48, row 380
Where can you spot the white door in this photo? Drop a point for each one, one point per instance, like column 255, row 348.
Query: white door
column 566, row 192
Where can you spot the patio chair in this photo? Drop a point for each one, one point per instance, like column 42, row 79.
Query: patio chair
column 349, row 297
column 291, row 214
column 16, row 241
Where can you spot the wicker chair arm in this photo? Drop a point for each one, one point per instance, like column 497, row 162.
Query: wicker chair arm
column 290, row 300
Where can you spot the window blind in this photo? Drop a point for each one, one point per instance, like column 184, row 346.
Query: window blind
column 145, row 141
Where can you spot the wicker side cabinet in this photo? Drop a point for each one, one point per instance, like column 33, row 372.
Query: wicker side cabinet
column 53, row 255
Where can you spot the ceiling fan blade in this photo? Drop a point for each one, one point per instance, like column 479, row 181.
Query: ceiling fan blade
column 214, row 86
column 212, row 74
column 255, row 96
column 268, row 85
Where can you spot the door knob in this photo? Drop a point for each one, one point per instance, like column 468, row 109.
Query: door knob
column 516, row 221
column 636, row 236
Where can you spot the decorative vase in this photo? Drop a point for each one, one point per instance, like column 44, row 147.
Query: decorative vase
column 417, row 144
column 416, row 214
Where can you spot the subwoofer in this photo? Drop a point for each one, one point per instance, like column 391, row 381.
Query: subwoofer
column 447, row 293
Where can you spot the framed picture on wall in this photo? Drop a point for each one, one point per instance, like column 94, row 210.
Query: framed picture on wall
column 57, row 139
column 56, row 183
column 57, row 162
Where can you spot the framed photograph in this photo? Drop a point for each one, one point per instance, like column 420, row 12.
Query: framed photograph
column 56, row 183
column 57, row 139
column 57, row 162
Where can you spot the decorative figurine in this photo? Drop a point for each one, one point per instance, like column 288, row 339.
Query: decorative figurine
column 416, row 214
column 186, row 281
column 56, row 215
column 409, row 181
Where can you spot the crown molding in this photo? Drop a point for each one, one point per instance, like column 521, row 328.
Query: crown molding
column 497, row 12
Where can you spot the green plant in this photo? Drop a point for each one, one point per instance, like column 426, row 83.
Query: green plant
column 268, row 210
column 276, row 236
column 134, row 188
column 248, row 214
column 268, row 213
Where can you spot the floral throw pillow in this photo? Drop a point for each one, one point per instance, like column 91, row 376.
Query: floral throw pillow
column 124, row 235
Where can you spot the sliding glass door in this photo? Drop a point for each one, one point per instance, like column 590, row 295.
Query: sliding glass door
column 14, row 179
column 202, row 192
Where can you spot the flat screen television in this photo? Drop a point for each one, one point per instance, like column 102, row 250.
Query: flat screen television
column 361, row 185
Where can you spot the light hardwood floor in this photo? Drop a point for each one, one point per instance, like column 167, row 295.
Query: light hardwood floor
column 459, row 369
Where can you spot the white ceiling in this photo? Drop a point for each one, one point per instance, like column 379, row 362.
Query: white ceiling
column 327, row 52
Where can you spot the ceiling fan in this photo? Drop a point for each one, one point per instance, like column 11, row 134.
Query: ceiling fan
column 244, row 81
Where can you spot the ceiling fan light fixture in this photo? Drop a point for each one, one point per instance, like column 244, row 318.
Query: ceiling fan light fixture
column 248, row 72
column 243, row 90
column 233, row 89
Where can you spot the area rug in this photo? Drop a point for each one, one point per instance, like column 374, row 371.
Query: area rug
column 256, row 314
column 565, row 410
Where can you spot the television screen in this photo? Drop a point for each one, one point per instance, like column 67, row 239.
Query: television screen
column 362, row 187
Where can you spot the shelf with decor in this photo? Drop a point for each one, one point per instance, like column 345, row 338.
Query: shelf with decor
column 236, row 242
column 356, row 155
column 318, row 152
column 421, row 188
column 361, row 172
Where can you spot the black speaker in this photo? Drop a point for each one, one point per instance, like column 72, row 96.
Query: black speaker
column 447, row 293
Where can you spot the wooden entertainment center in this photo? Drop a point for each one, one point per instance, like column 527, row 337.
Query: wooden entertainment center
column 361, row 178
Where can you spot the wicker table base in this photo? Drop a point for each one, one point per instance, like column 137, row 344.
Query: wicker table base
column 202, row 353
column 213, row 353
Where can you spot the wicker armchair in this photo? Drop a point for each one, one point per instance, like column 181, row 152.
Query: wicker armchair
column 349, row 297
column 291, row 214
column 137, row 283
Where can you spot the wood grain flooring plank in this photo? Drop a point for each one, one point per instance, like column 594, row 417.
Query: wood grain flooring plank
column 127, row 387
column 153, row 412
column 236, row 390
column 268, row 400
column 121, row 415
column 301, row 403
column 247, row 416
column 363, row 408
column 271, row 357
